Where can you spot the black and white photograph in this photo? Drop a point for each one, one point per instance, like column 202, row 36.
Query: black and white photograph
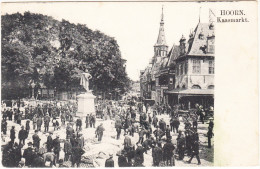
column 107, row 84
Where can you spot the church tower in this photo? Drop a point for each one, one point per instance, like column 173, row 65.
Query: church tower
column 161, row 48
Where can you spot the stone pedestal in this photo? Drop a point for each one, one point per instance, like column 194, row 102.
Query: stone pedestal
column 86, row 104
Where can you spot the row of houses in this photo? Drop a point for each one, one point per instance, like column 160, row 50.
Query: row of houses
column 184, row 74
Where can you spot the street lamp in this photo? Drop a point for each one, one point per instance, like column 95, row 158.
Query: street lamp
column 33, row 85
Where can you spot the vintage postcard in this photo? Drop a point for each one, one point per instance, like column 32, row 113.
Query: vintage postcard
column 129, row 84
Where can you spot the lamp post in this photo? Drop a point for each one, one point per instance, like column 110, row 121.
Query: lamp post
column 32, row 85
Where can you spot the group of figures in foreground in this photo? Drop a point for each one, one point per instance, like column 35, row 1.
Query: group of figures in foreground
column 33, row 147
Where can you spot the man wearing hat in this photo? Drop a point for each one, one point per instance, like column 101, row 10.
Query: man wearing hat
column 157, row 154
column 56, row 147
column 168, row 152
column 211, row 124
column 47, row 120
column 80, row 140
column 36, row 140
column 168, row 132
column 4, row 126
column 99, row 131
column 22, row 135
column 141, row 135
column 210, row 134
column 34, row 121
column 139, row 156
column 181, row 145
column 109, row 162
column 67, row 149
column 29, row 154
column 12, row 134
column 38, row 161
column 122, row 160
column 155, row 119
column 39, row 123
column 195, row 152
column 77, row 152
column 49, row 142
column 127, row 142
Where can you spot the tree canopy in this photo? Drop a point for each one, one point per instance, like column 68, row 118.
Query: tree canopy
column 55, row 53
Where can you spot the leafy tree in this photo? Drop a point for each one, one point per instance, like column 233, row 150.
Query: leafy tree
column 40, row 48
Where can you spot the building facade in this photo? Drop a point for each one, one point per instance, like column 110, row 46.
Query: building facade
column 185, row 74
column 194, row 70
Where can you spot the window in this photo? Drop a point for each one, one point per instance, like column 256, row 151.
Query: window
column 211, row 87
column 157, row 81
column 210, row 43
column 181, row 69
column 211, row 67
column 171, row 80
column 196, row 87
column 196, row 66
column 186, row 67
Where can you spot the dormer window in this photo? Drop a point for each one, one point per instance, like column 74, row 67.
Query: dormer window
column 211, row 44
column 201, row 36
column 211, row 26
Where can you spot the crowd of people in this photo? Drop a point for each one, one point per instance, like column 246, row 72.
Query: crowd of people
column 28, row 147
column 155, row 135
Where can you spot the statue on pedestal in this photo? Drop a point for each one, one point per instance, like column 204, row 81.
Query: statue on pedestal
column 84, row 80
column 86, row 103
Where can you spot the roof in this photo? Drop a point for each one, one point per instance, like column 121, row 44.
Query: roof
column 196, row 46
column 161, row 37
column 173, row 55
column 192, row 91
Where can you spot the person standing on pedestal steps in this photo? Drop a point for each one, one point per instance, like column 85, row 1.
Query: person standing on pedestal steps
column 87, row 121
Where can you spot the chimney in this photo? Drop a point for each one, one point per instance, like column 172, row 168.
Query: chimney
column 182, row 45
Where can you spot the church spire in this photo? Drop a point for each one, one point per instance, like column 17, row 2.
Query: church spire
column 162, row 22
column 161, row 37
column 161, row 48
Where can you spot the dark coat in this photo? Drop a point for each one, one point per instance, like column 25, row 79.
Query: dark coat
column 39, row 121
column 77, row 152
column 168, row 150
column 29, row 155
column 127, row 141
column 79, row 122
column 122, row 162
column 73, row 141
column 109, row 162
column 22, row 134
column 12, row 134
column 49, row 142
column 56, row 145
column 67, row 147
column 157, row 154
column 36, row 139
column 38, row 162
column 47, row 120
column 139, row 155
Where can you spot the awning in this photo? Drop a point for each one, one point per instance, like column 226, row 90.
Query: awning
column 191, row 91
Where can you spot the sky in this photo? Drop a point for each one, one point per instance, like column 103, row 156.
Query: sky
column 135, row 25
